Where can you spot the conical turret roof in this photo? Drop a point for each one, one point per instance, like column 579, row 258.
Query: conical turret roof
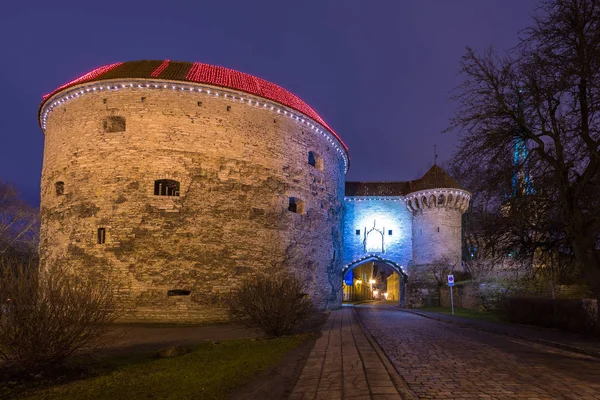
column 436, row 178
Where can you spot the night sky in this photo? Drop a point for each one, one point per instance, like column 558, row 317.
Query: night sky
column 378, row 71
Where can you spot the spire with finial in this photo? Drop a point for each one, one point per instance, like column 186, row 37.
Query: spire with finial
column 435, row 155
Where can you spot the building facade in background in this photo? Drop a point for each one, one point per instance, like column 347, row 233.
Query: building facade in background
column 177, row 180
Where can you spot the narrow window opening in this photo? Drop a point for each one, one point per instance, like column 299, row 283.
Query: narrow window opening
column 113, row 124
column 143, row 99
column 228, row 108
column 166, row 187
column 390, row 232
column 60, row 188
column 438, row 228
column 103, row 101
column 296, row 205
column 199, row 104
column 178, row 292
column 315, row 160
column 101, row 235
column 358, row 231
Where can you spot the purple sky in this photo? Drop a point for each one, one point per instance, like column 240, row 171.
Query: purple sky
column 379, row 72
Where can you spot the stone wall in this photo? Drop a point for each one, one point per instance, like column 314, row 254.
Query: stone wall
column 237, row 166
column 465, row 296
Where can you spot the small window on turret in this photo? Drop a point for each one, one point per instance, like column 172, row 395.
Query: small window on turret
column 166, row 187
column 358, row 231
column 101, row 235
column 113, row 124
column 60, row 188
column 296, row 205
column 178, row 292
column 315, row 160
column 390, row 232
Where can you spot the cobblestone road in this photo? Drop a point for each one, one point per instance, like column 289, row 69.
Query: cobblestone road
column 443, row 361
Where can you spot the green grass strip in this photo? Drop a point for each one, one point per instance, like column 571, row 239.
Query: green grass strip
column 209, row 371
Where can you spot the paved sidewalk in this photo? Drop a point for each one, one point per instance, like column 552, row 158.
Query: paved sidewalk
column 346, row 363
column 583, row 344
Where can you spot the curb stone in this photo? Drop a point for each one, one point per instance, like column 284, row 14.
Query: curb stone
column 551, row 343
column 397, row 380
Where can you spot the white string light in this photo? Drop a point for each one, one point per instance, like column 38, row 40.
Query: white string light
column 48, row 107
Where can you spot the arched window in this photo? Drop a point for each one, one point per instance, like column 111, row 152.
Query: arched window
column 113, row 124
column 374, row 242
column 315, row 160
column 166, row 187
column 60, row 188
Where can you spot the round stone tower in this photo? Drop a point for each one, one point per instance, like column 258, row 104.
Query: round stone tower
column 437, row 203
column 178, row 179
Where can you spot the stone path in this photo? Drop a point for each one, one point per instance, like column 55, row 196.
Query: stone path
column 579, row 343
column 439, row 360
column 346, row 364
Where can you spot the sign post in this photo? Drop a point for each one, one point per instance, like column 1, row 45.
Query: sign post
column 451, row 283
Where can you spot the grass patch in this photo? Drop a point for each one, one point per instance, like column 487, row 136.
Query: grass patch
column 209, row 371
column 467, row 313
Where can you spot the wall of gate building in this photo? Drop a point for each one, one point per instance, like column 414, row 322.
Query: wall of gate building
column 377, row 226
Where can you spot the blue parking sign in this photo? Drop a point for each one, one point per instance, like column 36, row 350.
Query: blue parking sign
column 450, row 280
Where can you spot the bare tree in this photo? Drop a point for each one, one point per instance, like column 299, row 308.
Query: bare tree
column 47, row 316
column 19, row 222
column 545, row 93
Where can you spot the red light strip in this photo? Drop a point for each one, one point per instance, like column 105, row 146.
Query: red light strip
column 224, row 77
column 205, row 73
column 160, row 69
column 87, row 77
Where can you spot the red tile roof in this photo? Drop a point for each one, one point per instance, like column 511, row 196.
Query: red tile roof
column 435, row 178
column 199, row 73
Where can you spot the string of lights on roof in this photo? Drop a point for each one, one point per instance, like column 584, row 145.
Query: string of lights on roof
column 371, row 257
column 206, row 90
column 410, row 196
column 438, row 191
column 374, row 198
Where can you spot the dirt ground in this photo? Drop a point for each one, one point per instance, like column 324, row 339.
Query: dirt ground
column 133, row 338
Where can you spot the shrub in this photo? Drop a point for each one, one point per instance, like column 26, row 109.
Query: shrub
column 275, row 304
column 47, row 316
column 493, row 296
column 567, row 314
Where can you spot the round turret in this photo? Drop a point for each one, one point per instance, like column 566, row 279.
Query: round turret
column 179, row 179
column 437, row 203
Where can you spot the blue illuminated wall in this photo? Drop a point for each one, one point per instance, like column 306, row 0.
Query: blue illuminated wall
column 374, row 218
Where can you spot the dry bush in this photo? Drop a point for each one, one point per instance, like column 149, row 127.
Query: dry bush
column 47, row 316
column 568, row 314
column 275, row 304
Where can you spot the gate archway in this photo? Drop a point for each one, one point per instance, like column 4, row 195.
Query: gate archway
column 393, row 265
